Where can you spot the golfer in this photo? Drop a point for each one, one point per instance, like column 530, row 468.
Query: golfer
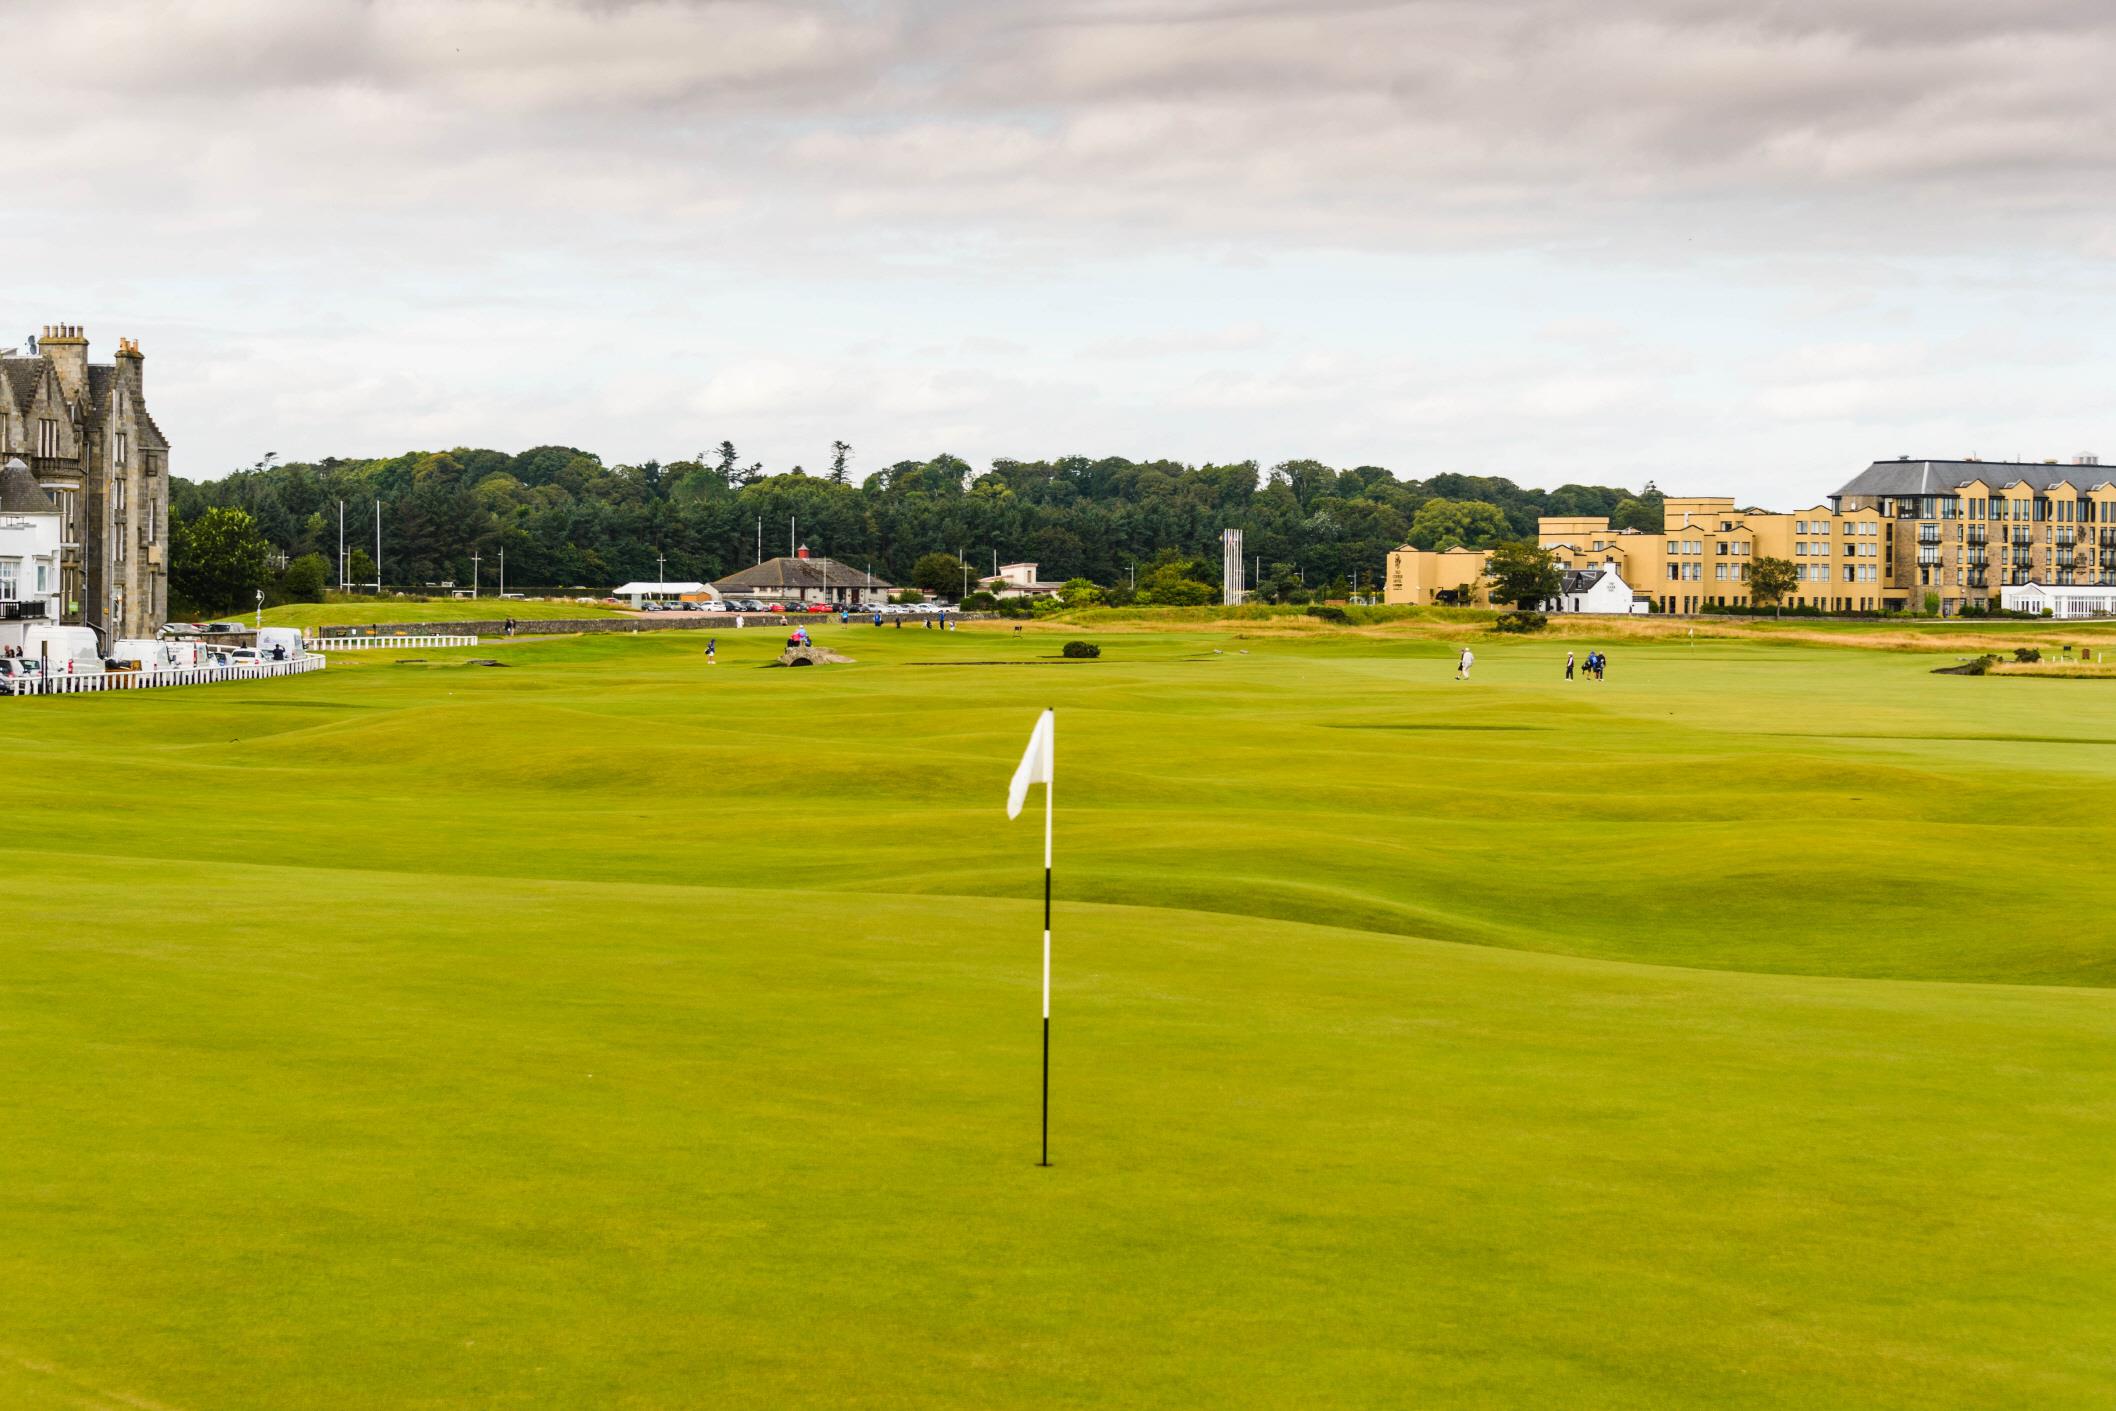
column 712, row 645
column 1469, row 659
column 1568, row 666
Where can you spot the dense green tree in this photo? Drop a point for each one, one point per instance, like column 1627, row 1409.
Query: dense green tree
column 1457, row 524
column 940, row 573
column 1771, row 580
column 304, row 578
column 219, row 561
column 569, row 521
column 1522, row 573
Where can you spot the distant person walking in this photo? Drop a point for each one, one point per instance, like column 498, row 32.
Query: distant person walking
column 712, row 645
column 510, row 626
column 1601, row 664
column 1568, row 666
column 1469, row 659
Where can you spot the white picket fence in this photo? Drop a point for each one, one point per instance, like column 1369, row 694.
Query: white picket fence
column 62, row 684
column 351, row 644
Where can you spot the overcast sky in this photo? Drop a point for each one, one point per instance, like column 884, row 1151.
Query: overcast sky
column 1742, row 247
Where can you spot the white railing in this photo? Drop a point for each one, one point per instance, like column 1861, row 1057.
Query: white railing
column 340, row 644
column 62, row 684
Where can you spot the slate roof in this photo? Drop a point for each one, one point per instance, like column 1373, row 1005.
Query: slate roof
column 1902, row 478
column 22, row 376
column 1579, row 580
column 20, row 493
column 796, row 573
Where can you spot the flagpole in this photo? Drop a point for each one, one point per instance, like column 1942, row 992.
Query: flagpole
column 1047, row 784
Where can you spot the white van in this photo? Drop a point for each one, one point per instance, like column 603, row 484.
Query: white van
column 270, row 640
column 63, row 647
column 150, row 654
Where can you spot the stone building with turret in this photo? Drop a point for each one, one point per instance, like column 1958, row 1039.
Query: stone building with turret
column 83, row 430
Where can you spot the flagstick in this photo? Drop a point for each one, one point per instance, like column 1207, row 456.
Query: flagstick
column 1047, row 783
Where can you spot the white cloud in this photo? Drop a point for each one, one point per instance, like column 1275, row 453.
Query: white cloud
column 1435, row 234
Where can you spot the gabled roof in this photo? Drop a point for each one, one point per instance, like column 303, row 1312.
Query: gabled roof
column 797, row 573
column 1579, row 580
column 21, row 378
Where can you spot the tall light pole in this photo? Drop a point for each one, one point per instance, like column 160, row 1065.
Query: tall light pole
column 341, row 545
column 475, row 559
column 378, row 548
column 503, row 570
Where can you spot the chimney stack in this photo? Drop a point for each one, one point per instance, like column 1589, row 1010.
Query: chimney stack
column 67, row 347
column 802, row 552
column 132, row 365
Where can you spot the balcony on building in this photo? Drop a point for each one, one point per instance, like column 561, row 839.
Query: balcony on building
column 25, row 609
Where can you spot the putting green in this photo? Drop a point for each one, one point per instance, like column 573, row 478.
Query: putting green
column 610, row 1030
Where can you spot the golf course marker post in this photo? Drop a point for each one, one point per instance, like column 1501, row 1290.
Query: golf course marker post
column 1036, row 768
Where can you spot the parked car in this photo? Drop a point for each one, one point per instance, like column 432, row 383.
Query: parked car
column 245, row 656
column 821, row 607
column 18, row 676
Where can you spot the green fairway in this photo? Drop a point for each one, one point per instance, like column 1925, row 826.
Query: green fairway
column 610, row 1030
column 361, row 612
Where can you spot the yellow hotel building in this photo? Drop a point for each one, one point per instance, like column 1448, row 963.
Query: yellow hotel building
column 1897, row 533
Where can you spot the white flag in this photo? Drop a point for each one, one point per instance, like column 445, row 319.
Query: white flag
column 1035, row 766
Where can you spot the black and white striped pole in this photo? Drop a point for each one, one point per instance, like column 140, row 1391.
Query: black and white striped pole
column 1036, row 768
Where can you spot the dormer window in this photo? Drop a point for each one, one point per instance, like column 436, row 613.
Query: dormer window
column 47, row 436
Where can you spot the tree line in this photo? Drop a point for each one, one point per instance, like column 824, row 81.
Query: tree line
column 566, row 520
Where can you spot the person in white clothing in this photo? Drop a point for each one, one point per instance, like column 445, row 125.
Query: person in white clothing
column 1469, row 659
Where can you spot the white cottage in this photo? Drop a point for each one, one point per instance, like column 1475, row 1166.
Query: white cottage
column 1594, row 590
column 29, row 555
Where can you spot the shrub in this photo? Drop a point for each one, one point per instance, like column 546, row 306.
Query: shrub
column 1329, row 612
column 304, row 579
column 2025, row 654
column 1523, row 621
column 979, row 601
column 1082, row 649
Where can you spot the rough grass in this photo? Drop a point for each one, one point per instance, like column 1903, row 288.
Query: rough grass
column 613, row 1031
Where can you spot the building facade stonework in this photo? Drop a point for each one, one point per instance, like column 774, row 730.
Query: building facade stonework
column 85, row 433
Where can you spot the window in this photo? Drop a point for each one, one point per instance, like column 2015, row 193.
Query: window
column 43, row 579
column 47, row 437
column 1675, row 572
column 1851, row 573
column 1720, row 572
column 120, row 445
column 10, row 579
